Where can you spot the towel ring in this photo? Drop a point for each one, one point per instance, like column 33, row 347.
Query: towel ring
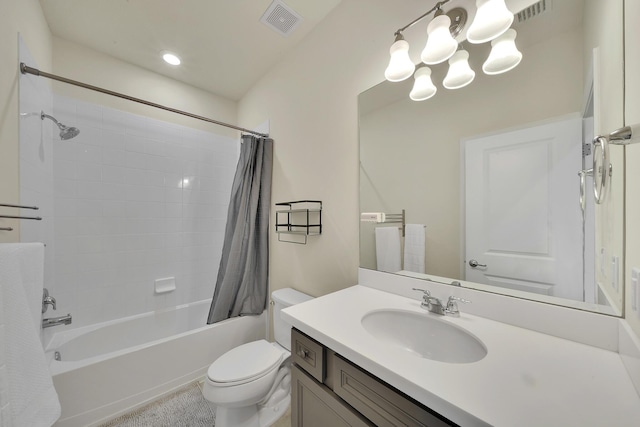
column 602, row 168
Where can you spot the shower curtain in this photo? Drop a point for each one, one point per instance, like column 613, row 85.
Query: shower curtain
column 241, row 286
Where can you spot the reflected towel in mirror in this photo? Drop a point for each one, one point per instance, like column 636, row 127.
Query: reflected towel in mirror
column 388, row 249
column 414, row 247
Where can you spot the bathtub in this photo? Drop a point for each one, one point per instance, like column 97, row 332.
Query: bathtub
column 111, row 368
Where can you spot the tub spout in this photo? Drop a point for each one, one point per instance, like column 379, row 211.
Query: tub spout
column 54, row 321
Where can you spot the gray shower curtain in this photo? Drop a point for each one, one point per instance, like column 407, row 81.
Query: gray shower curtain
column 241, row 286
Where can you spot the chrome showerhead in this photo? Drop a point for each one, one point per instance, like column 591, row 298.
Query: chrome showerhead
column 68, row 132
column 65, row 131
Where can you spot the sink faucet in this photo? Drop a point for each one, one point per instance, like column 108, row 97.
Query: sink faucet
column 429, row 303
column 452, row 306
column 435, row 305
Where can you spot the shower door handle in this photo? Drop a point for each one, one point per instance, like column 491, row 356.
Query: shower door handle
column 475, row 264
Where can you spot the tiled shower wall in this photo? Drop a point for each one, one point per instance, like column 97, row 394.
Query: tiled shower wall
column 135, row 200
column 36, row 160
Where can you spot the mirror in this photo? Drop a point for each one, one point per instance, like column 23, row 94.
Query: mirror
column 485, row 171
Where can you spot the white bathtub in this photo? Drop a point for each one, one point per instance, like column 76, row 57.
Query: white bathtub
column 111, row 368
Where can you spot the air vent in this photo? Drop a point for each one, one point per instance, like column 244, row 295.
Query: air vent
column 281, row 18
column 532, row 11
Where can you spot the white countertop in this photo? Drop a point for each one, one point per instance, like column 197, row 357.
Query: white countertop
column 526, row 379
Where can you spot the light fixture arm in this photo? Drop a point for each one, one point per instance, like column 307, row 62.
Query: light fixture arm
column 438, row 6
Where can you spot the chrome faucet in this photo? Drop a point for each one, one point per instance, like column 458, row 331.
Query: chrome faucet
column 452, row 306
column 47, row 300
column 54, row 321
column 435, row 305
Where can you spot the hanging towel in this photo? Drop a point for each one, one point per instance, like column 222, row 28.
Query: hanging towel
column 414, row 248
column 28, row 397
column 388, row 249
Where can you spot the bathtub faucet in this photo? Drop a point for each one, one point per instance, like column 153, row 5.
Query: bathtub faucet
column 47, row 300
column 55, row 321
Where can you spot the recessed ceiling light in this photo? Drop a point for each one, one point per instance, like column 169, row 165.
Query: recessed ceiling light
column 171, row 58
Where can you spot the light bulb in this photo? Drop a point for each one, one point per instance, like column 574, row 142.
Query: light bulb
column 504, row 54
column 400, row 65
column 171, row 58
column 460, row 73
column 423, row 87
column 440, row 44
column 492, row 19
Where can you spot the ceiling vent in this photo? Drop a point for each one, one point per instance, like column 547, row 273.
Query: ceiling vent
column 532, row 11
column 281, row 18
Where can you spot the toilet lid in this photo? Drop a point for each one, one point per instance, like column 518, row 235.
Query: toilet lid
column 243, row 363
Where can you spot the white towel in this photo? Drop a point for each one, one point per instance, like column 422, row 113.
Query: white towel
column 27, row 395
column 414, row 247
column 388, row 249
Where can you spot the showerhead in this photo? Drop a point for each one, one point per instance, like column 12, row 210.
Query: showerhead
column 68, row 132
column 65, row 131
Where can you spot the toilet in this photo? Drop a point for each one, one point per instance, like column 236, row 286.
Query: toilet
column 251, row 384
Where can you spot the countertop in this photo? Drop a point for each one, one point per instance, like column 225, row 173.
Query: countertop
column 526, row 379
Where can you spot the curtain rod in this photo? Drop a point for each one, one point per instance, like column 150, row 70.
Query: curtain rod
column 25, row 69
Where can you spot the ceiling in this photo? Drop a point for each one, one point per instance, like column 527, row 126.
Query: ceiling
column 224, row 47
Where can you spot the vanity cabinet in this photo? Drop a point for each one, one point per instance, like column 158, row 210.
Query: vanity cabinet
column 329, row 390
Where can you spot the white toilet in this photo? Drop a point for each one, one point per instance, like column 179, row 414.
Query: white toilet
column 251, row 384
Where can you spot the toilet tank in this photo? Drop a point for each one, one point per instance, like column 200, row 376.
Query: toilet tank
column 284, row 298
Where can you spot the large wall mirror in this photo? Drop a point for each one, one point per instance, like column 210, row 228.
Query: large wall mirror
column 492, row 170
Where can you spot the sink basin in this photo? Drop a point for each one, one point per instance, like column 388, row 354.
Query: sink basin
column 424, row 336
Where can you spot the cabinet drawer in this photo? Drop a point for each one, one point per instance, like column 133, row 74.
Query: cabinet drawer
column 308, row 354
column 377, row 401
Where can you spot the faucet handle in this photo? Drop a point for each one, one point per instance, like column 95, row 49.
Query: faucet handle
column 452, row 305
column 426, row 297
column 426, row 291
column 47, row 300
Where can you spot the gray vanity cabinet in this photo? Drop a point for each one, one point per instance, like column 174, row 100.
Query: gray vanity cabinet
column 329, row 390
column 314, row 405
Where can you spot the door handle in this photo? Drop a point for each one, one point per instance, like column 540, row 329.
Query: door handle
column 474, row 264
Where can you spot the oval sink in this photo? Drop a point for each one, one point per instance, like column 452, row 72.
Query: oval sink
column 424, row 336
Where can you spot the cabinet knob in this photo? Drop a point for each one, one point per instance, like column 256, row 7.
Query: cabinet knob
column 304, row 353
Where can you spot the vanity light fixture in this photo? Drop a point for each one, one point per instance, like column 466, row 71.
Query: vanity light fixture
column 423, row 87
column 504, row 54
column 460, row 73
column 400, row 66
column 440, row 42
column 491, row 23
column 171, row 58
column 492, row 19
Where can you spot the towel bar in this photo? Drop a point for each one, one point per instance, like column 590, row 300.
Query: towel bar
column 6, row 229
column 36, row 218
column 4, row 205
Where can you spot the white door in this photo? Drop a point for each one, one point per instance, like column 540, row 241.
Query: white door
column 523, row 223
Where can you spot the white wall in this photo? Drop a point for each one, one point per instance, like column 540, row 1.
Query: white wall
column 632, row 117
column 310, row 99
column 24, row 17
column 603, row 32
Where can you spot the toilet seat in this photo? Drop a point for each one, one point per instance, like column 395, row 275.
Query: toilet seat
column 245, row 363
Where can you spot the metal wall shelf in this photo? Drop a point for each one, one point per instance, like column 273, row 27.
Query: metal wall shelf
column 302, row 218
